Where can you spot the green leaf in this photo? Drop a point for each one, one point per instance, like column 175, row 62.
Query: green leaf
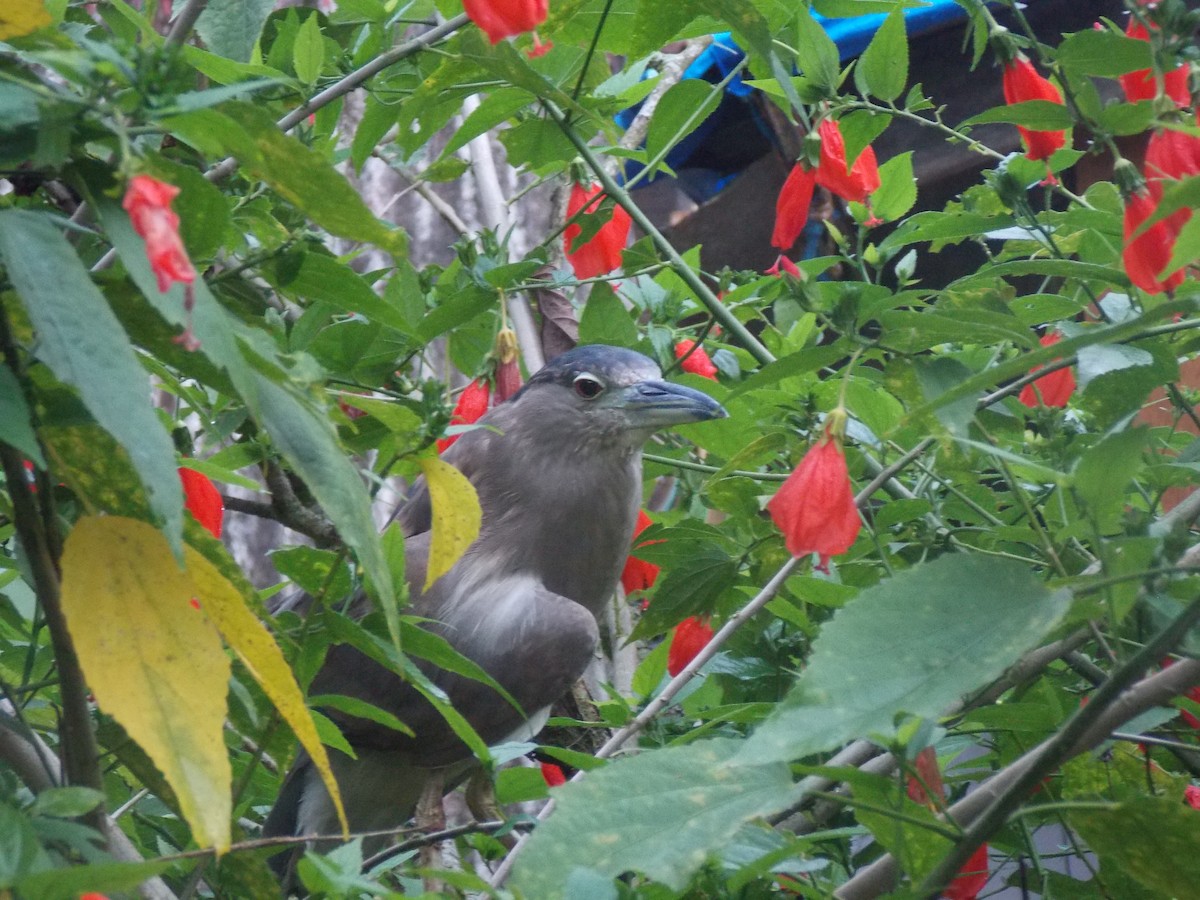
column 308, row 51
column 20, row 852
column 68, row 883
column 82, row 342
column 16, row 428
column 882, row 70
column 937, row 375
column 681, row 111
column 605, row 320
column 659, row 814
column 1036, row 115
column 915, row 643
column 66, row 802
column 1104, row 53
column 230, row 28
column 687, row 590
column 816, row 52
column 897, row 188
column 1154, row 839
column 300, row 175
column 1106, row 469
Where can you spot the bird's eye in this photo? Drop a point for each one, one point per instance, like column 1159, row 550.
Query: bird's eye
column 587, row 387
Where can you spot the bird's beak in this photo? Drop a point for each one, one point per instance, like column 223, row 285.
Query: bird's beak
column 660, row 404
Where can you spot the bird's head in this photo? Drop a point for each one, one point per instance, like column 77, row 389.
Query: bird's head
column 614, row 394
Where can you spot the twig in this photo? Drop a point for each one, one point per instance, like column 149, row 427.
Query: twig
column 185, row 22
column 294, row 514
column 671, row 67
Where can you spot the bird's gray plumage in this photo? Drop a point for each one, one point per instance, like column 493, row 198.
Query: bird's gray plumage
column 558, row 473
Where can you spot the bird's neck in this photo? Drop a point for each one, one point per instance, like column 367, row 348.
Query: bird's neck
column 580, row 518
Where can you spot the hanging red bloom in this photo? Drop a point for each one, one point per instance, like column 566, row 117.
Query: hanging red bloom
column 639, row 575
column 783, row 266
column 927, row 783
column 971, row 878
column 1147, row 254
column 1022, row 83
column 1054, row 389
column 1142, row 85
column 472, row 403
column 691, row 636
column 602, row 253
column 552, row 774
column 695, row 359
column 815, row 507
column 148, row 202
column 791, row 208
column 202, row 500
column 499, row 19
column 854, row 183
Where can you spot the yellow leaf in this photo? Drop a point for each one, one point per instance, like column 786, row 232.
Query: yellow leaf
column 21, row 17
column 456, row 516
column 260, row 654
column 154, row 662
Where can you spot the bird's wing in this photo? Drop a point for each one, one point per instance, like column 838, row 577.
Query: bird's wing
column 533, row 642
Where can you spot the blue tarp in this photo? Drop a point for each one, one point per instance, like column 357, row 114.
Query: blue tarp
column 851, row 35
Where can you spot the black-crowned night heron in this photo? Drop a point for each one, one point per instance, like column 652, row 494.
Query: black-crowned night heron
column 558, row 471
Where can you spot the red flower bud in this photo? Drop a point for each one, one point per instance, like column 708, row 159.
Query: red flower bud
column 691, row 636
column 1191, row 796
column 971, row 878
column 929, row 780
column 148, row 202
column 855, row 182
column 639, row 575
column 815, row 507
column 783, row 266
column 202, row 500
column 552, row 774
column 1054, row 389
column 499, row 19
column 1022, row 83
column 791, row 208
column 695, row 359
column 508, row 369
column 602, row 253
column 473, row 402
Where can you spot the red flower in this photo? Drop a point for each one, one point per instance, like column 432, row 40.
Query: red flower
column 695, row 359
column 815, row 507
column 1022, row 83
column 970, row 878
column 1191, row 796
column 1148, row 253
column 552, row 774
column 499, row 19
column 92, row 896
column 930, row 780
column 1142, row 85
column 691, row 636
column 1054, row 389
column 202, row 500
column 782, row 266
column 1192, row 694
column 472, row 403
column 148, row 202
column 539, row 48
column 1172, row 154
column 638, row 574
column 791, row 209
column 850, row 183
column 602, row 253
